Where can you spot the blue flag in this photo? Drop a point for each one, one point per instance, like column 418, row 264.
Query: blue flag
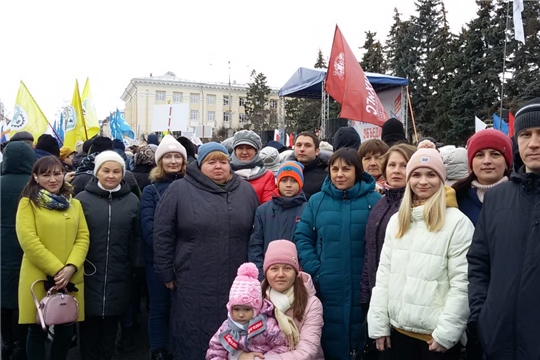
column 119, row 126
column 60, row 128
column 500, row 124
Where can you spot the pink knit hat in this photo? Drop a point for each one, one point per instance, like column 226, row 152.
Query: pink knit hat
column 246, row 289
column 281, row 252
column 427, row 158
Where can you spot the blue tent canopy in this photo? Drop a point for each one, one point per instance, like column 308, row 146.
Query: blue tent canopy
column 307, row 83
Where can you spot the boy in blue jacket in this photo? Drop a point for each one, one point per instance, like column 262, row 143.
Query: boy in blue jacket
column 277, row 219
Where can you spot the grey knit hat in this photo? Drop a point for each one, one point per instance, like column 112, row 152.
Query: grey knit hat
column 247, row 137
column 527, row 116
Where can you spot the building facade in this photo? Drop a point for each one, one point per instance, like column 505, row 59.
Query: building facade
column 210, row 104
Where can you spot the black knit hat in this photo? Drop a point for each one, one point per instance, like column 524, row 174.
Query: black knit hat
column 100, row 144
column 188, row 144
column 393, row 132
column 119, row 144
column 49, row 144
column 87, row 145
column 527, row 116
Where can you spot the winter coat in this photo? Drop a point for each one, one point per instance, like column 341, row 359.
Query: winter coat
column 142, row 175
column 310, row 328
column 115, row 235
column 76, row 161
column 375, row 234
column 274, row 220
column 504, row 276
column 314, row 174
column 50, row 239
column 201, row 236
column 81, row 179
column 469, row 204
column 41, row 153
column 331, row 247
column 19, row 158
column 264, row 186
column 270, row 341
column 421, row 282
column 456, row 163
column 149, row 200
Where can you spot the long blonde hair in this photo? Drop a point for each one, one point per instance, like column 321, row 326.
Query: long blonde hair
column 434, row 211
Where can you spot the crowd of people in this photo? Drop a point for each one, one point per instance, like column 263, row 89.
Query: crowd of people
column 352, row 250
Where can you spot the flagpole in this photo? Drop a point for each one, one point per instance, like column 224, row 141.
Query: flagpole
column 55, row 133
column 412, row 115
column 504, row 57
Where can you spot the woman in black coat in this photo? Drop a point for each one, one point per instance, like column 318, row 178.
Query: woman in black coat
column 144, row 163
column 112, row 214
column 201, row 234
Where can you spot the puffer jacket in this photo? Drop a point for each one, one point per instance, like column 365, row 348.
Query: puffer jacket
column 504, row 272
column 270, row 341
column 375, row 234
column 421, row 282
column 274, row 220
column 331, row 246
column 115, row 237
column 310, row 328
column 264, row 186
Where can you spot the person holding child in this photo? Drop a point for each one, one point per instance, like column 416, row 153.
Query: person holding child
column 277, row 219
column 249, row 324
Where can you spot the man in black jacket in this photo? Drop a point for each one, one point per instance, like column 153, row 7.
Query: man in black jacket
column 306, row 152
column 504, row 257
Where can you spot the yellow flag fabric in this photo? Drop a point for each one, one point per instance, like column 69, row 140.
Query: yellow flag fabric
column 74, row 121
column 90, row 116
column 27, row 115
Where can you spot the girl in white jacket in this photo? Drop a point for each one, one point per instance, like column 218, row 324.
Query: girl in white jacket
column 419, row 305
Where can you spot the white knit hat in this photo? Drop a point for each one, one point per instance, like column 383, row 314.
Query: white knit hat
column 169, row 144
column 108, row 156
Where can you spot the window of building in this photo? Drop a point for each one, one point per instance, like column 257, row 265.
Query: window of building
column 211, row 116
column 194, row 98
column 211, row 99
column 160, row 95
column 226, row 116
column 194, row 115
column 242, row 101
column 177, row 97
column 226, row 100
column 242, row 117
column 273, row 104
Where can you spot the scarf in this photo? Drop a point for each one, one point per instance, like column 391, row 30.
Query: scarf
column 237, row 164
column 251, row 174
column 418, row 202
column 482, row 189
column 87, row 164
column 230, row 338
column 50, row 201
column 116, row 189
column 283, row 302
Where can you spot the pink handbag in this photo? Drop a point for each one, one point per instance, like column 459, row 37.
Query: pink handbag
column 55, row 309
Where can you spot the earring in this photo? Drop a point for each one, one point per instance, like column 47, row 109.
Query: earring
column 36, row 178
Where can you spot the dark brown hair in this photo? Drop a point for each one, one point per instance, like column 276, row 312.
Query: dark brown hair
column 301, row 297
column 314, row 137
column 45, row 165
column 350, row 157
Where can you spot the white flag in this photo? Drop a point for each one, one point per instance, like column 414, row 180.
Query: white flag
column 479, row 124
column 518, row 22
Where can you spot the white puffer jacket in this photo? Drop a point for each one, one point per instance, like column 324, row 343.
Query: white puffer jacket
column 421, row 283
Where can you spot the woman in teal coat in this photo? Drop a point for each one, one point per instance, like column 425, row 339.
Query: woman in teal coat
column 330, row 243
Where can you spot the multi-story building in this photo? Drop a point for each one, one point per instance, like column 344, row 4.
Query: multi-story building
column 210, row 104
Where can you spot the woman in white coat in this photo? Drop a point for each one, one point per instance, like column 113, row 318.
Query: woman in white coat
column 419, row 305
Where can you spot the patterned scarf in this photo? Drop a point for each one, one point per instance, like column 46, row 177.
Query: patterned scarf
column 48, row 200
column 283, row 302
column 87, row 164
column 230, row 339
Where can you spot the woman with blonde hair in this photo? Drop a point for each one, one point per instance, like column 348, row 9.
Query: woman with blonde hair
column 170, row 158
column 419, row 306
column 54, row 237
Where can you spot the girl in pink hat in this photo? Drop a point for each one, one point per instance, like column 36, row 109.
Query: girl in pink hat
column 419, row 306
column 248, row 328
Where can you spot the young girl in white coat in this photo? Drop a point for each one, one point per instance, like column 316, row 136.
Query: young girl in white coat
column 419, row 305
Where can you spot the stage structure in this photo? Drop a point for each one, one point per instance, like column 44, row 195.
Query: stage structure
column 308, row 83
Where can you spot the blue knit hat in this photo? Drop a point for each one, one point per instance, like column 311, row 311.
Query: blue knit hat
column 207, row 148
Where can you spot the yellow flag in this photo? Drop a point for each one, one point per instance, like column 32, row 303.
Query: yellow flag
column 27, row 115
column 90, row 116
column 74, row 120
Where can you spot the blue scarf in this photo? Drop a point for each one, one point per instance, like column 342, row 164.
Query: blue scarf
column 50, row 201
column 230, row 339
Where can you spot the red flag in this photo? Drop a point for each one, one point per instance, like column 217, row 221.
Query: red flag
column 349, row 86
column 511, row 119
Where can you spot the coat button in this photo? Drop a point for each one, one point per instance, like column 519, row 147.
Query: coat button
column 66, row 214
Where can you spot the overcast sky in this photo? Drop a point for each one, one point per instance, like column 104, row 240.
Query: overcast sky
column 49, row 44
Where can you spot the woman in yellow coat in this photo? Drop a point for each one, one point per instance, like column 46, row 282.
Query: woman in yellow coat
column 53, row 234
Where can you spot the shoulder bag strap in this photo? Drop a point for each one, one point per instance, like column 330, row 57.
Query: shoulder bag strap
column 38, row 305
column 157, row 191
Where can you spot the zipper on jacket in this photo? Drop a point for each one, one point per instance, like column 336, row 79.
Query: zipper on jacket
column 107, row 255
